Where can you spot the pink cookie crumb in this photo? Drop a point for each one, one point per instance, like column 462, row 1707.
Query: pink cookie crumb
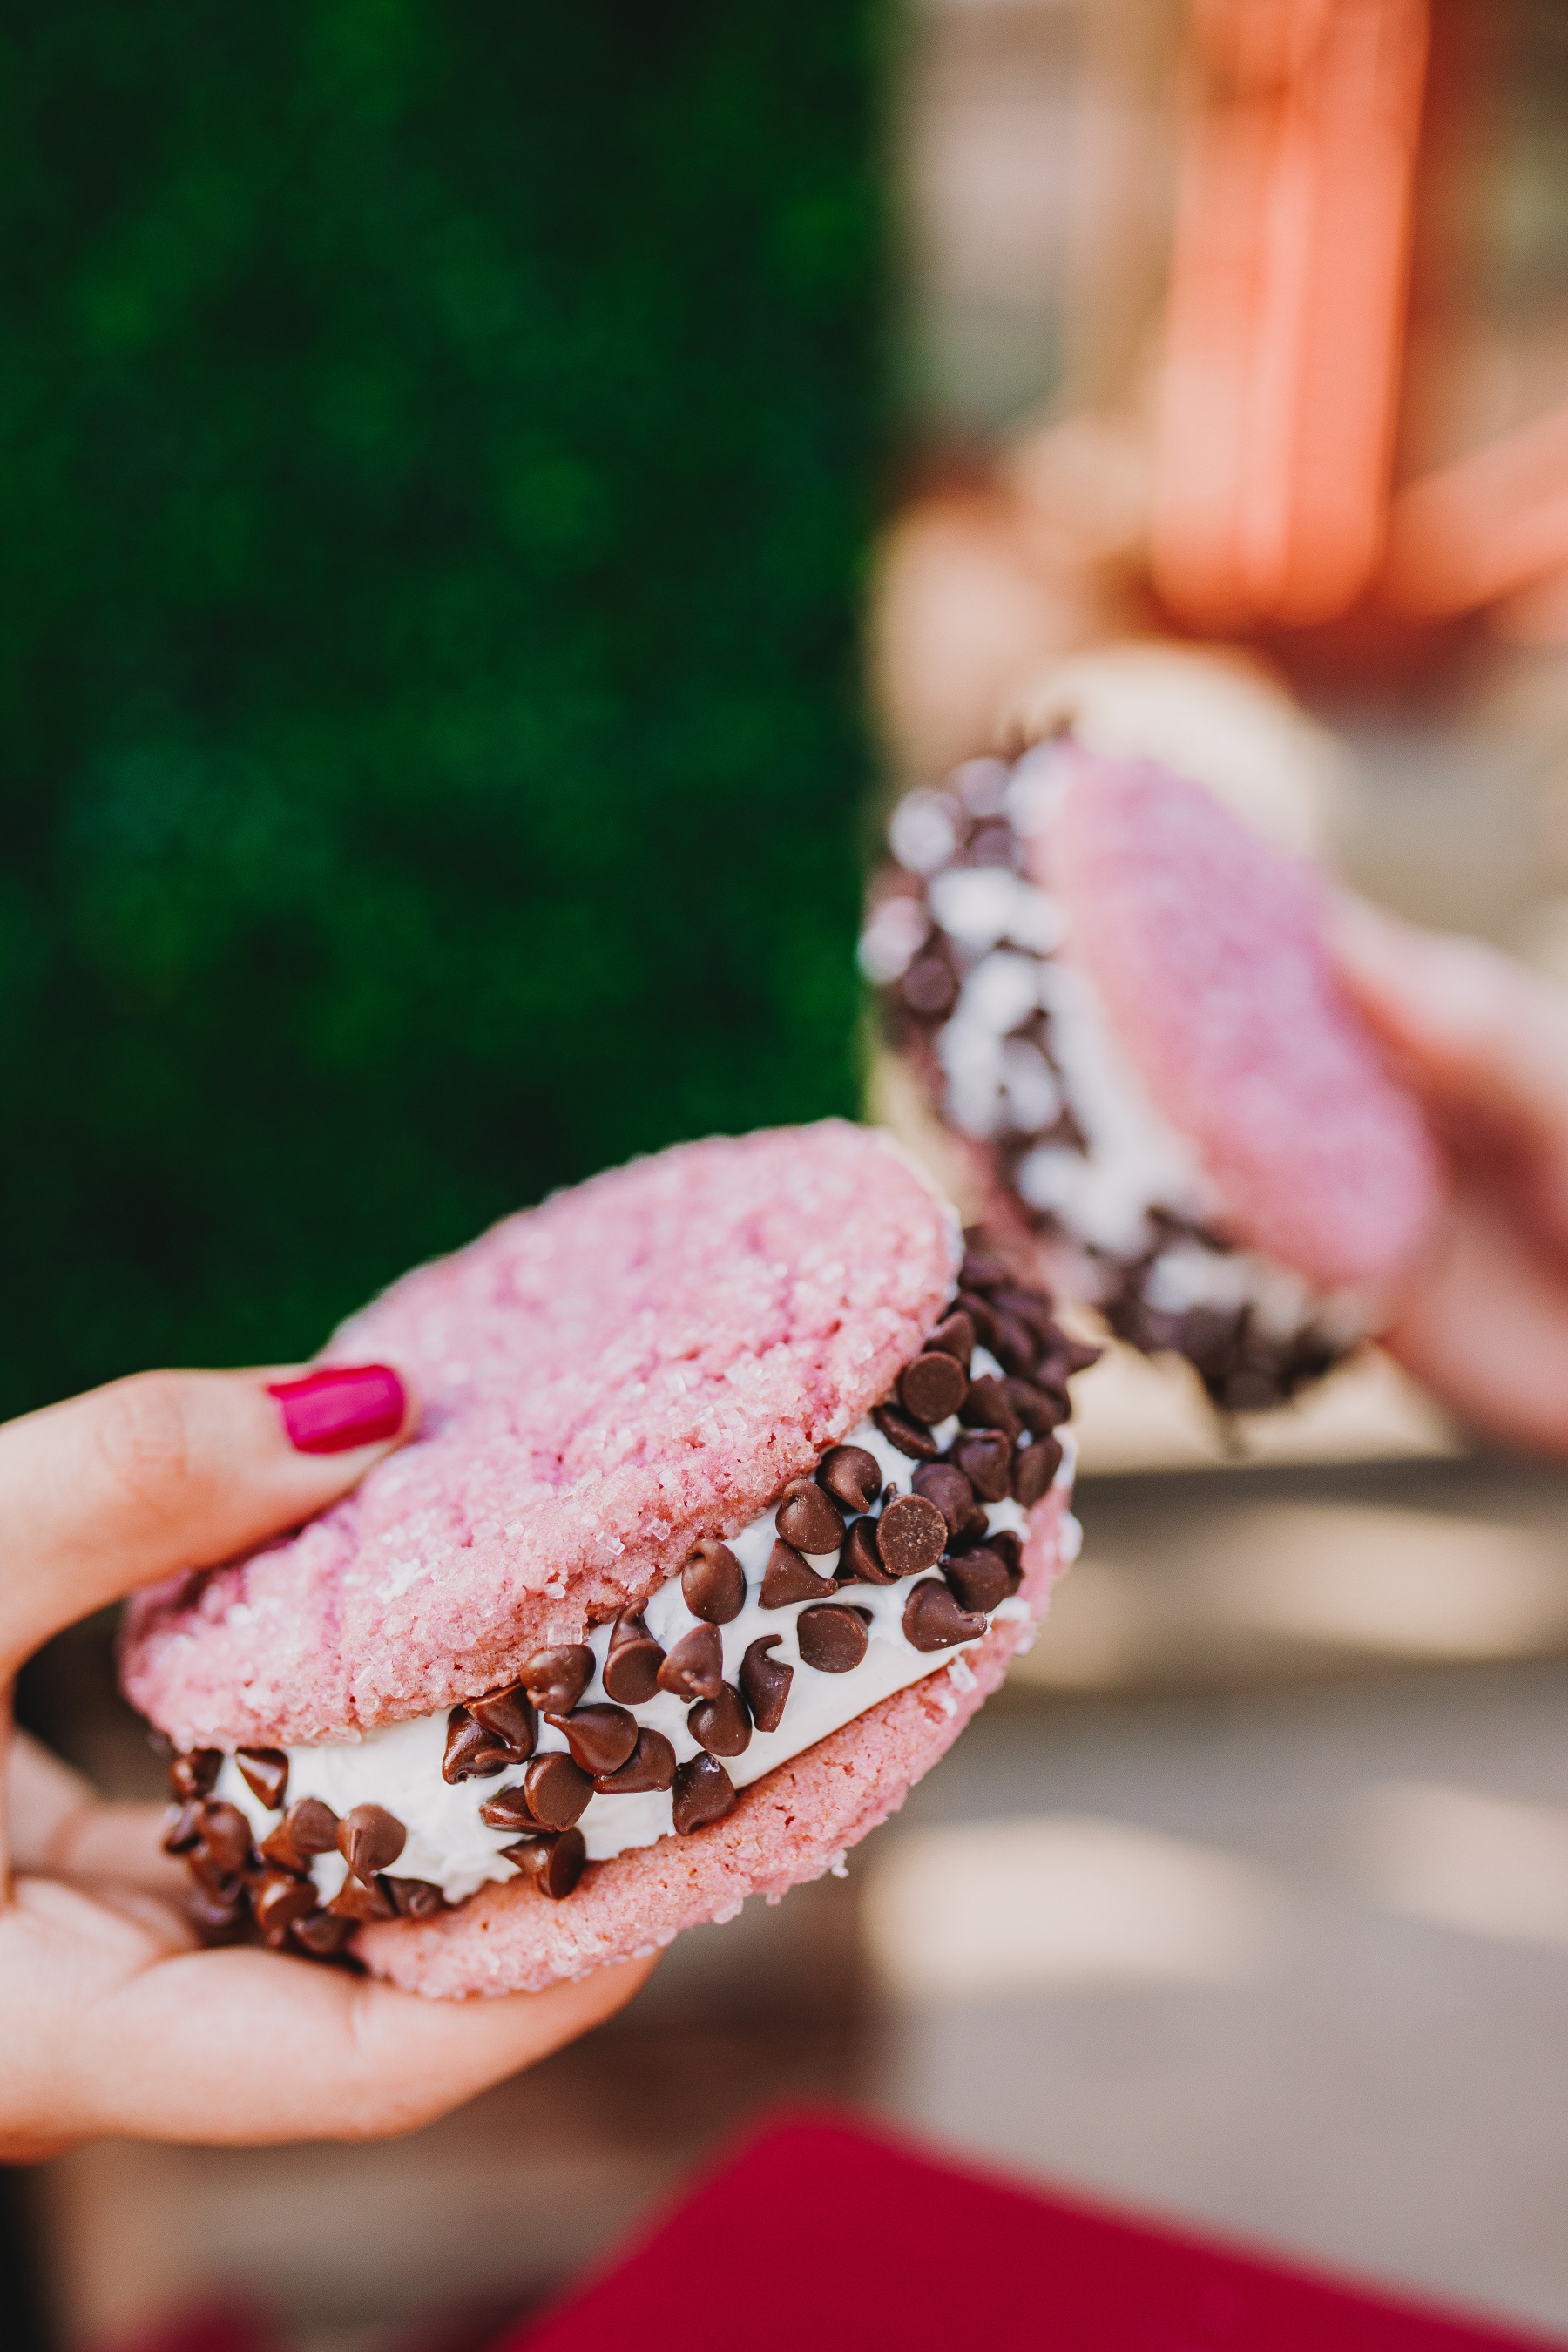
column 1206, row 948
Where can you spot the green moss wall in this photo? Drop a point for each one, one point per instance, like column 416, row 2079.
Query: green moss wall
column 434, row 456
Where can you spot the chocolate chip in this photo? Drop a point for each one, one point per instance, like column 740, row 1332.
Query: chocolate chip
column 308, row 1828
column 509, row 1718
column 722, row 1725
column 1033, row 1467
column 225, row 1839
column 195, row 1772
column 993, row 844
column 355, row 1900
column 414, row 1899
column 312, row 1825
column 949, row 1489
column 509, row 1809
column 556, row 1679
column 929, row 987
column 182, row 1828
column 971, row 1304
column 221, row 1916
column 554, row 1864
column 907, row 1435
column 651, row 1764
column 633, row 1661
column 1033, row 1310
column 911, row 1535
column 279, row 1900
column 971, row 1529
column 765, row 1682
column 934, row 1620
column 1051, row 1382
column 265, row 1771
column 370, row 1839
column 703, row 1792
column 809, row 1520
column 1013, row 1344
column 1026, row 1306
column 982, row 1271
column 1038, row 1410
column 279, row 1849
column 859, row 1561
column 600, row 1737
column 1057, row 1363
column 986, row 1461
column 714, row 1582
column 211, row 1874
column 932, row 1386
column 556, row 1790
column 321, row 1935
column 788, row 1579
column 1008, row 1544
column 979, row 1580
column 955, row 1335
column 832, row 1639
column 695, row 1668
column 472, row 1753
column 851, row 1475
column 987, row 1405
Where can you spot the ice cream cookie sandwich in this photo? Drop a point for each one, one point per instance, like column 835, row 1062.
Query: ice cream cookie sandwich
column 1109, row 999
column 738, row 1484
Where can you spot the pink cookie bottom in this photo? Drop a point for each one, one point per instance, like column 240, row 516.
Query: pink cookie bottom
column 789, row 1827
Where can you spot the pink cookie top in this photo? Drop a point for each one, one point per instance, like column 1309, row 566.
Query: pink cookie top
column 644, row 1359
column 1206, row 945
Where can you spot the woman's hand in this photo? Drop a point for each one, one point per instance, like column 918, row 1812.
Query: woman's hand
column 1484, row 1041
column 113, row 2019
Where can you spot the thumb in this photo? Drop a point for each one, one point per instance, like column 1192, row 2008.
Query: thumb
column 172, row 1471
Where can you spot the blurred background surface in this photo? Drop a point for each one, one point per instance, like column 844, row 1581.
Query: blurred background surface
column 442, row 450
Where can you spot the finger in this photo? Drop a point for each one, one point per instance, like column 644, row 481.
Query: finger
column 1478, row 1033
column 120, row 1845
column 43, row 1796
column 1487, row 1326
column 106, row 2033
column 170, row 1471
column 56, row 1823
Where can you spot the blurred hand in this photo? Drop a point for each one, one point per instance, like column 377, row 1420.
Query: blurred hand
column 1484, row 1041
column 113, row 2019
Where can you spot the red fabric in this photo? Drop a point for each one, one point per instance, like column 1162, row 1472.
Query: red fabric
column 819, row 2233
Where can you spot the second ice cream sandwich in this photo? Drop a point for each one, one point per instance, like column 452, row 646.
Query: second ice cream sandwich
column 1114, row 998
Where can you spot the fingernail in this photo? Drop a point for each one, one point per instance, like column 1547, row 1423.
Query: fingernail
column 342, row 1406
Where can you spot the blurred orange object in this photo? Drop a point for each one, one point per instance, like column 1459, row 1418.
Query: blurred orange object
column 1285, row 319
column 1492, row 524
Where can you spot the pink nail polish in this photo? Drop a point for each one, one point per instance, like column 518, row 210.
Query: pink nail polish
column 342, row 1405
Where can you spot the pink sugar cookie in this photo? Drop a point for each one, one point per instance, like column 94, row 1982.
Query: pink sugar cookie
column 1205, row 946
column 644, row 1359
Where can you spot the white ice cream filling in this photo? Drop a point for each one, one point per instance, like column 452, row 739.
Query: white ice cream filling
column 449, row 1844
